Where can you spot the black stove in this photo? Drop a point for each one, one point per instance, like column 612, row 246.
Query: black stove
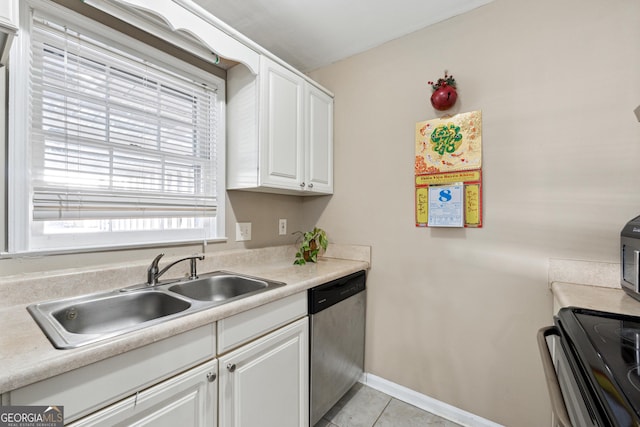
column 606, row 354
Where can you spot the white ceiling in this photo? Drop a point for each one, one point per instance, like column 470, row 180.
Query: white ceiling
column 311, row 34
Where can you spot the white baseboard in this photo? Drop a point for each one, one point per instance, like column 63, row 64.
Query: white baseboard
column 426, row 403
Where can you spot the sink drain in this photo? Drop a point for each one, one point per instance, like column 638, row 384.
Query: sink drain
column 71, row 314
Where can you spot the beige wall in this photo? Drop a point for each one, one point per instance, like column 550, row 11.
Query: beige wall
column 453, row 313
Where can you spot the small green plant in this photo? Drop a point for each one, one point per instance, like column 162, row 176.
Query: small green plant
column 310, row 244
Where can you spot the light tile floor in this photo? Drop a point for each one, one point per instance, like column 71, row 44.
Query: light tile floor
column 363, row 406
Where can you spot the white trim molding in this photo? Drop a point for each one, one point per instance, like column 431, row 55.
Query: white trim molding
column 426, row 403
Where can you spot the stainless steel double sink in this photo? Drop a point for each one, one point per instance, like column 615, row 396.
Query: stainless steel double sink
column 77, row 321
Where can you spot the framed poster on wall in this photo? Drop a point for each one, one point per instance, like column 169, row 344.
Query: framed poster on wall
column 449, row 154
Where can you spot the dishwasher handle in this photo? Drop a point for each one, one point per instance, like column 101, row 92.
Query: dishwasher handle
column 551, row 378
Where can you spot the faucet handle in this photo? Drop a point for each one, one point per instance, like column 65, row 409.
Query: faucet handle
column 152, row 271
column 156, row 260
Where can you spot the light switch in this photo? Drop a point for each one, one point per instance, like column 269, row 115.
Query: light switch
column 282, row 227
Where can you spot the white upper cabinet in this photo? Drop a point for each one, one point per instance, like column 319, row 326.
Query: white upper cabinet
column 282, row 111
column 319, row 138
column 279, row 133
column 8, row 27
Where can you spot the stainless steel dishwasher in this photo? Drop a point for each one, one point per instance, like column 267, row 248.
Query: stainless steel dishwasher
column 337, row 322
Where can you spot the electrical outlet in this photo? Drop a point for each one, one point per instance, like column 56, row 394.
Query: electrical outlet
column 282, row 227
column 243, row 231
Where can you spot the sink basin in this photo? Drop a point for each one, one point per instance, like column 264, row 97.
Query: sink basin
column 117, row 312
column 222, row 287
column 77, row 321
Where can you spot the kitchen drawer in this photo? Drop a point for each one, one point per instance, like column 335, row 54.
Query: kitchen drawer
column 95, row 386
column 248, row 325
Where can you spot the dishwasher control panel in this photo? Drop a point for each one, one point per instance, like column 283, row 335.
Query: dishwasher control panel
column 328, row 294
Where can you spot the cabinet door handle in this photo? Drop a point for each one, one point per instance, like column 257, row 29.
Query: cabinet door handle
column 231, row 367
column 310, row 185
column 211, row 377
column 302, row 185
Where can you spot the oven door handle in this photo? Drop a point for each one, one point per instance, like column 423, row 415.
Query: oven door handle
column 636, row 270
column 555, row 393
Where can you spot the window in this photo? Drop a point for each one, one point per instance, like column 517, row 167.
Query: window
column 122, row 148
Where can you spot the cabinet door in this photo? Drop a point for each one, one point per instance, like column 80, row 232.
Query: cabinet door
column 189, row 399
column 282, row 130
column 265, row 383
column 8, row 27
column 9, row 16
column 319, row 139
column 92, row 387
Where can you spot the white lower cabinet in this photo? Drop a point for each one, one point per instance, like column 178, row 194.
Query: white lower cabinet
column 265, row 383
column 260, row 377
column 101, row 385
column 188, row 399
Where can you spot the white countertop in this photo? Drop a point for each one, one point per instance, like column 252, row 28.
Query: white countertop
column 28, row 356
column 613, row 300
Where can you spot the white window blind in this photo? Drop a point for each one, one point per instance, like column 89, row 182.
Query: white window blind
column 117, row 138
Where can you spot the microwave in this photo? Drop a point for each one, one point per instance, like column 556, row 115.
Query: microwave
column 630, row 258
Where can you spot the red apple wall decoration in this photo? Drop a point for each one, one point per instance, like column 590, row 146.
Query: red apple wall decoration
column 444, row 93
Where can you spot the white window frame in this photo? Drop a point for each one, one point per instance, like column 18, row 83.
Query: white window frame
column 20, row 189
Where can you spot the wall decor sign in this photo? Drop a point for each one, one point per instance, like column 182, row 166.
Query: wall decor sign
column 444, row 92
column 448, row 163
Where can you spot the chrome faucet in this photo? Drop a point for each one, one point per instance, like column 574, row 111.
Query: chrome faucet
column 154, row 273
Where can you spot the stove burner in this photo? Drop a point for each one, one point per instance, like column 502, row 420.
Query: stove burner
column 617, row 332
column 634, row 377
column 607, row 332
